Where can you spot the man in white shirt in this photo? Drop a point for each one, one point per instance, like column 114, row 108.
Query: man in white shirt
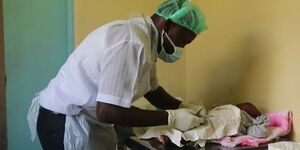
column 114, row 66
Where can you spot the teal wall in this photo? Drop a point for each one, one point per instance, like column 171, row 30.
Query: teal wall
column 38, row 38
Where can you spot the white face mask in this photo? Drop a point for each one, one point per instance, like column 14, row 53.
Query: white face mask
column 170, row 58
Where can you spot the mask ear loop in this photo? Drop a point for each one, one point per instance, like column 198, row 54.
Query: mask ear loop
column 162, row 42
column 170, row 40
column 165, row 28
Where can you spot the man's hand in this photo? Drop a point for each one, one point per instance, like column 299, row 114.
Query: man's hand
column 183, row 119
column 199, row 109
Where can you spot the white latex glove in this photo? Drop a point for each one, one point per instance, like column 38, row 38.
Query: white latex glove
column 200, row 110
column 183, row 119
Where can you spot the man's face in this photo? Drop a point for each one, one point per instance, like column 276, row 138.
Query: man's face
column 180, row 36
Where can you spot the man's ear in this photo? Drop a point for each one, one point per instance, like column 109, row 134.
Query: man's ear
column 167, row 24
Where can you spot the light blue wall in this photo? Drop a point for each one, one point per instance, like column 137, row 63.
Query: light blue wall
column 38, row 38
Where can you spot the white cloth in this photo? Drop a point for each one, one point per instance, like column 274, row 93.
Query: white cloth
column 82, row 132
column 114, row 64
column 284, row 146
column 221, row 121
column 32, row 116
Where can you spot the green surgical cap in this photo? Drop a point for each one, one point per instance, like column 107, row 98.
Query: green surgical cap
column 170, row 7
column 184, row 14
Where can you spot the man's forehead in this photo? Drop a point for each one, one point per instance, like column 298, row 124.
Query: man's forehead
column 183, row 29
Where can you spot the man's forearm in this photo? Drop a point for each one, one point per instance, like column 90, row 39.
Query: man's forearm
column 132, row 117
column 162, row 99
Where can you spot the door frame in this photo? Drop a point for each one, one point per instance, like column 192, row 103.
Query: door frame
column 3, row 125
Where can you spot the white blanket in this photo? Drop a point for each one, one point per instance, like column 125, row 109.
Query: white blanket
column 221, row 121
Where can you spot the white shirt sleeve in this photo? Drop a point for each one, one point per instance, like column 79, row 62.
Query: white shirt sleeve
column 120, row 66
column 153, row 79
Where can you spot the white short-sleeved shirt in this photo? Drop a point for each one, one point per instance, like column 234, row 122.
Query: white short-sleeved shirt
column 114, row 64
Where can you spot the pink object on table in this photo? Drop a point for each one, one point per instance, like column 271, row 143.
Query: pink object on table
column 280, row 125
